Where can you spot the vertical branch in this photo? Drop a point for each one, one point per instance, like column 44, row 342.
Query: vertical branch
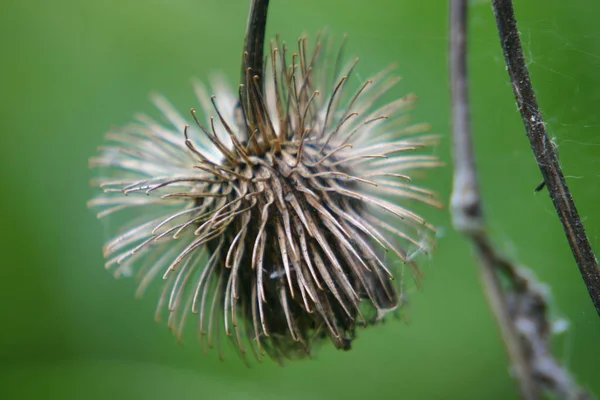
column 518, row 302
column 543, row 150
column 251, row 89
column 466, row 208
column 467, row 215
column 255, row 39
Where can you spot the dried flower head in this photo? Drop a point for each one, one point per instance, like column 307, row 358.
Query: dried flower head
column 272, row 216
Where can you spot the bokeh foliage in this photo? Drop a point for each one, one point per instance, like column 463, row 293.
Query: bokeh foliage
column 72, row 69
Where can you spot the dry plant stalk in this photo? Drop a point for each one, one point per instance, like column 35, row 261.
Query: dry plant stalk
column 545, row 153
column 519, row 304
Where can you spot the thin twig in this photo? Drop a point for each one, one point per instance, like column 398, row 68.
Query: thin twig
column 252, row 83
column 545, row 153
column 519, row 304
column 466, row 204
column 255, row 39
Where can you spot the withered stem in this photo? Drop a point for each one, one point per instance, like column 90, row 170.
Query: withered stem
column 516, row 300
column 255, row 39
column 467, row 215
column 545, row 153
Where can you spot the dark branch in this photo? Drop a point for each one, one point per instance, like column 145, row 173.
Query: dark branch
column 545, row 153
column 252, row 84
column 519, row 304
column 255, row 39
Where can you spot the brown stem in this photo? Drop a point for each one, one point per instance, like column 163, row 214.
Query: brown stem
column 544, row 151
column 467, row 214
column 255, row 39
column 518, row 303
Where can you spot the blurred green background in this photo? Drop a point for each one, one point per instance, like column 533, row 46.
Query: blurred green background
column 70, row 70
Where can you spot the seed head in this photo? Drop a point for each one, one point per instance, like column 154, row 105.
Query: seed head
column 276, row 216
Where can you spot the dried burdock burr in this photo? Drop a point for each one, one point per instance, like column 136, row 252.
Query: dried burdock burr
column 279, row 214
